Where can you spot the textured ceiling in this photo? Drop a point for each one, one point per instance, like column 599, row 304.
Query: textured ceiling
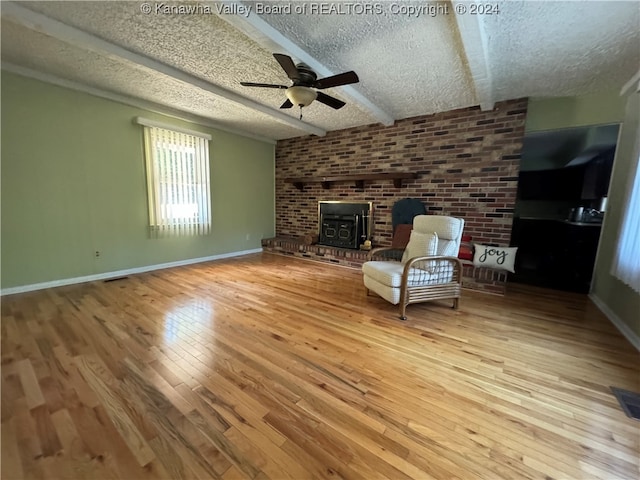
column 570, row 48
column 408, row 64
column 39, row 52
column 404, row 58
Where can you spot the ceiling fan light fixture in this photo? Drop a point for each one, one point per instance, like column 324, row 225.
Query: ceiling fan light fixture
column 301, row 96
column 305, row 82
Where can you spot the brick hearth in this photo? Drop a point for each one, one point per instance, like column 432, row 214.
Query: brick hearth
column 484, row 279
column 297, row 248
column 467, row 164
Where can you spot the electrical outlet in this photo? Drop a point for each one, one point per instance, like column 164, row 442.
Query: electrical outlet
column 97, row 253
column 247, row 237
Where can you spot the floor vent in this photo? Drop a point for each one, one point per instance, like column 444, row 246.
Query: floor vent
column 629, row 401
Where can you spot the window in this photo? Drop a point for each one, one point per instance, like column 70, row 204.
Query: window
column 178, row 184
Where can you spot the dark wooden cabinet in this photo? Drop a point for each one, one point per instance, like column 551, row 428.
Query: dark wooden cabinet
column 557, row 253
column 554, row 253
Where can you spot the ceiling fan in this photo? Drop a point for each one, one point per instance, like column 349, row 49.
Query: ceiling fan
column 306, row 84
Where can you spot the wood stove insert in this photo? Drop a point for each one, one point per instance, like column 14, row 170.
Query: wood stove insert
column 344, row 224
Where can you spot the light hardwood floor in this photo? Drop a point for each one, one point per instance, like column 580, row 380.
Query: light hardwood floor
column 272, row 367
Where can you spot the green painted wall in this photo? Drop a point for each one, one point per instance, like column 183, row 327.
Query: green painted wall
column 73, row 183
column 621, row 299
column 565, row 112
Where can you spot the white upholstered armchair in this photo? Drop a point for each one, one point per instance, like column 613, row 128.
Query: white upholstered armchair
column 429, row 269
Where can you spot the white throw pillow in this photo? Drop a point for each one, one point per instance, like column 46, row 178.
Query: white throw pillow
column 420, row 245
column 499, row 258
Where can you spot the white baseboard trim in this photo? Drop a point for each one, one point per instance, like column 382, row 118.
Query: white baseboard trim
column 122, row 273
column 622, row 327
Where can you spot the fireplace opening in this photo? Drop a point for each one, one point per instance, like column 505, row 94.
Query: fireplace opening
column 344, row 224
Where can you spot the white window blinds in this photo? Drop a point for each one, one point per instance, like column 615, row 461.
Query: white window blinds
column 178, row 183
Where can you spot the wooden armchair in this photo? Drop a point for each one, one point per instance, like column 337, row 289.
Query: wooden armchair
column 428, row 270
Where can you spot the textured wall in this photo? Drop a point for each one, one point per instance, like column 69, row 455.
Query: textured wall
column 467, row 162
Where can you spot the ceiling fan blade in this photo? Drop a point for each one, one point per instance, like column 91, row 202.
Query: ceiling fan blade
column 330, row 101
column 345, row 78
column 263, row 85
column 287, row 65
column 287, row 104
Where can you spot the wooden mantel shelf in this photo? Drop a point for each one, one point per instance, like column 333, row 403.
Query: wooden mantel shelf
column 358, row 180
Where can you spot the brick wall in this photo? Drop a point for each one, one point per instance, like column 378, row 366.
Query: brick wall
column 466, row 160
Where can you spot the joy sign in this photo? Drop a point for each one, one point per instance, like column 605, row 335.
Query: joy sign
column 500, row 258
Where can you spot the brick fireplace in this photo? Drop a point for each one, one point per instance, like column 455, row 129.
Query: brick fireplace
column 466, row 162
